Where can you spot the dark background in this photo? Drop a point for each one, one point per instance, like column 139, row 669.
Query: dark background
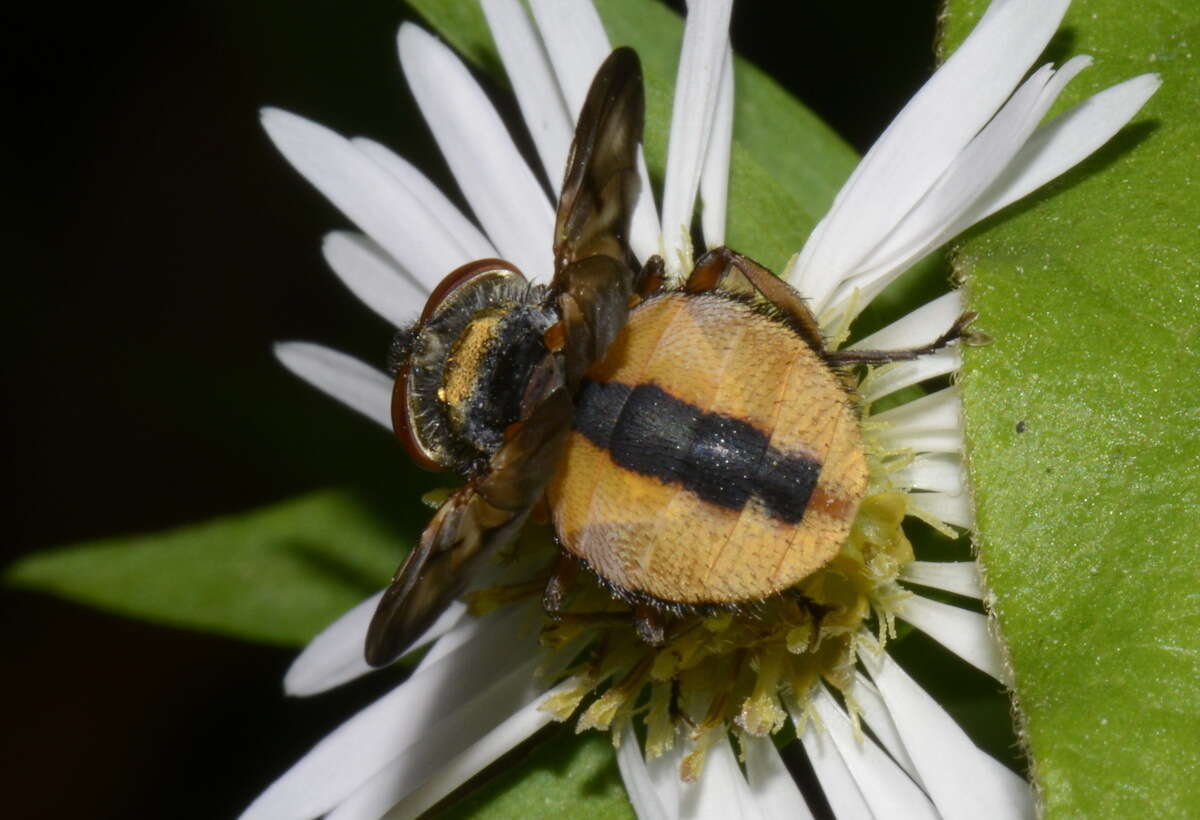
column 157, row 246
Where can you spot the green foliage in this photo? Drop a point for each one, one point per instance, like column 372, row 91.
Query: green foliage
column 1082, row 419
column 568, row 775
column 276, row 575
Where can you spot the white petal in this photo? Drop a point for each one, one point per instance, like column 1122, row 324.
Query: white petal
column 472, row 760
column 875, row 713
column 884, row 786
column 577, row 44
column 932, row 423
column 953, row 508
column 697, row 83
column 370, row 196
column 928, row 440
column 770, row 782
column 664, row 774
column 1065, row 141
column 962, row 780
column 918, row 327
column 959, row 577
column 963, row 632
column 469, row 242
column 884, row 382
column 359, row 386
column 837, row 782
column 502, row 191
column 645, row 235
column 640, row 787
column 978, row 165
column 943, row 472
column 714, row 179
column 944, row 211
column 720, row 791
column 948, row 111
column 506, row 694
column 413, row 720
column 528, row 67
column 456, row 630
column 371, row 275
column 335, row 656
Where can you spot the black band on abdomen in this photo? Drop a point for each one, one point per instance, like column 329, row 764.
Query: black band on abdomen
column 721, row 459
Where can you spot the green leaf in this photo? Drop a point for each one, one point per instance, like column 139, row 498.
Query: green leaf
column 770, row 211
column 569, row 775
column 276, row 575
column 1082, row 420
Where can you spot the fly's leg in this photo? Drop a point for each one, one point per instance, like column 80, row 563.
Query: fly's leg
column 714, row 267
column 959, row 332
column 649, row 281
column 649, row 622
column 558, row 588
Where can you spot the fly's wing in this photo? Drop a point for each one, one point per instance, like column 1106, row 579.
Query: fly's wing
column 594, row 268
column 592, row 284
column 601, row 182
column 476, row 520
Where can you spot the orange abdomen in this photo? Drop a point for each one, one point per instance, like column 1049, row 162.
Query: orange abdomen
column 715, row 458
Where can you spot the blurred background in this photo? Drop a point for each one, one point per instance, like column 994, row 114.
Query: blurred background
column 158, row 245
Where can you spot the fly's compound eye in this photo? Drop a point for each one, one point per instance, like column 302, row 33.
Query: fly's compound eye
column 469, row 282
column 419, row 407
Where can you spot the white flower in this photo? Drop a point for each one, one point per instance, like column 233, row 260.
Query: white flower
column 969, row 143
